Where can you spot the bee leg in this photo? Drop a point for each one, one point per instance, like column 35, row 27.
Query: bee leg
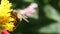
column 25, row 19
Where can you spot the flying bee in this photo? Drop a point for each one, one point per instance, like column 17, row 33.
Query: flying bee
column 18, row 16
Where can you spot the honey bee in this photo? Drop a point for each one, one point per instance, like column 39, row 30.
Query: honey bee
column 18, row 17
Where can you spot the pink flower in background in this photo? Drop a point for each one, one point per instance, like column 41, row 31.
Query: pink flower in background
column 22, row 14
column 5, row 32
column 30, row 9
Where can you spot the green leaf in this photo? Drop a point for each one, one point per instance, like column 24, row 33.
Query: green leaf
column 52, row 28
column 46, row 1
column 51, row 12
column 29, row 0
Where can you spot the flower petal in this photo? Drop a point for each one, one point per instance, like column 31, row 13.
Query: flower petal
column 5, row 32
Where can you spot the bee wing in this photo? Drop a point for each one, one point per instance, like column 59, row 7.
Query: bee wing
column 30, row 9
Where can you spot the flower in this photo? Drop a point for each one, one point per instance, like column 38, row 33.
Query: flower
column 5, row 32
column 29, row 10
column 5, row 19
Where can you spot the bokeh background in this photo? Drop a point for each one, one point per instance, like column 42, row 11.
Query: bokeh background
column 46, row 20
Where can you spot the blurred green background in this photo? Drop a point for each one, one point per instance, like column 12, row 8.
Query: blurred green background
column 45, row 21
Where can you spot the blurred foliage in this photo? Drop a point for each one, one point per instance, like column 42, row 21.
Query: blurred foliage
column 51, row 13
column 28, row 0
column 45, row 21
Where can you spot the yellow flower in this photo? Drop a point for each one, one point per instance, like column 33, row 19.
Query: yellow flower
column 5, row 19
column 9, row 26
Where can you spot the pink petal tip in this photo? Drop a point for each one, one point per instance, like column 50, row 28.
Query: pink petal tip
column 5, row 32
